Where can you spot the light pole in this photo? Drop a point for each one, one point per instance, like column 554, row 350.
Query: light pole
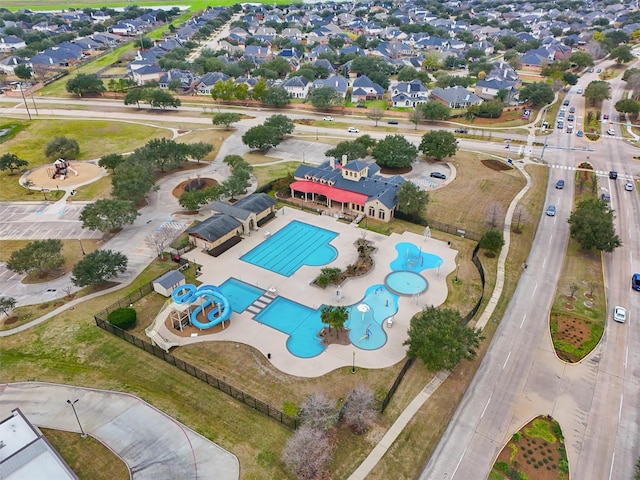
column 457, row 269
column 82, row 248
column 73, row 407
column 25, row 101
column 353, row 365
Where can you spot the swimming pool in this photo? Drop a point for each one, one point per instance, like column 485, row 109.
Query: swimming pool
column 411, row 257
column 240, row 294
column 366, row 327
column 293, row 246
column 405, row 282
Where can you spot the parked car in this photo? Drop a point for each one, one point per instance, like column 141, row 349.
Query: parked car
column 560, row 184
column 563, row 109
column 628, row 186
column 439, row 175
column 327, row 118
column 580, row 133
column 598, row 70
column 590, row 70
column 551, row 211
column 605, row 197
column 620, row 314
column 605, row 117
column 611, row 132
column 571, row 117
column 461, row 130
column 353, row 130
column 361, row 105
column 393, row 122
column 572, row 110
column 579, row 90
column 566, row 102
column 613, row 174
column 635, row 282
column 570, row 128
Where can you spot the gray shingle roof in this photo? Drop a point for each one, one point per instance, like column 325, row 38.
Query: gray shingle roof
column 172, row 277
column 214, row 228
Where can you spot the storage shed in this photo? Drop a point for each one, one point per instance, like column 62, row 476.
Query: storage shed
column 167, row 283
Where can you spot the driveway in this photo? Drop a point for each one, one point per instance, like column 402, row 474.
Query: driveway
column 153, row 445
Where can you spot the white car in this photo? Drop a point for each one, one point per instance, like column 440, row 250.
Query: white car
column 353, row 130
column 611, row 132
column 628, row 186
column 579, row 90
column 327, row 119
column 620, row 314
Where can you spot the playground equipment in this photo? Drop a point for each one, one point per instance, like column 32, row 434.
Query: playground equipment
column 203, row 297
column 61, row 167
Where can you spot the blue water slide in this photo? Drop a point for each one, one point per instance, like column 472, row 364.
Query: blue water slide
column 183, row 293
column 211, row 295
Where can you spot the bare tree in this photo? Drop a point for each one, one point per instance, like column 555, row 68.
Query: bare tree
column 520, row 216
column 319, row 412
column 376, row 115
column 67, row 290
column 595, row 49
column 416, row 116
column 495, row 214
column 573, row 288
column 359, row 409
column 160, row 239
column 633, row 84
column 307, row 453
column 591, row 285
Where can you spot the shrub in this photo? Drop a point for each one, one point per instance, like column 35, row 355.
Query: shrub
column 307, row 453
column 359, row 409
column 124, row 318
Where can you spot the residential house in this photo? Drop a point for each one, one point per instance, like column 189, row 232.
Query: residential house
column 184, row 77
column 258, row 54
column 146, row 74
column 297, row 87
column 337, row 82
column 8, row 65
column 488, row 89
column 455, row 97
column 355, row 187
column 409, row 94
column 365, row 89
column 11, row 42
column 208, row 80
column 537, row 58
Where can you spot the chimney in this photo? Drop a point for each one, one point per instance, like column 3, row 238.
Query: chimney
column 332, row 162
column 344, row 159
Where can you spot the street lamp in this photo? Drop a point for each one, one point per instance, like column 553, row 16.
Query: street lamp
column 81, row 247
column 353, row 365
column 457, row 269
column 73, row 407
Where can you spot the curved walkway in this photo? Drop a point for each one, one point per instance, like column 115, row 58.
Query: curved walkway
column 153, row 445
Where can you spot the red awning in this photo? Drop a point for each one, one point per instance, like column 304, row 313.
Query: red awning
column 333, row 193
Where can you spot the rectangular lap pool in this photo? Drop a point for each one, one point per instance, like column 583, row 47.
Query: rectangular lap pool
column 293, row 246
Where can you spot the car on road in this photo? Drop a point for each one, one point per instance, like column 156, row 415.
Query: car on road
column 605, row 117
column 560, row 184
column 628, row 186
column 566, row 102
column 551, row 211
column 327, row 119
column 605, row 197
column 353, row 130
column 572, row 110
column 580, row 133
column 611, row 132
column 613, row 174
column 579, row 90
column 620, row 314
column 439, row 175
column 635, row 282
column 599, row 70
column 590, row 70
column 461, row 130
column 393, row 122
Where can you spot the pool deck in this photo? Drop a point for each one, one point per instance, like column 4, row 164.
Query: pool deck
column 298, row 287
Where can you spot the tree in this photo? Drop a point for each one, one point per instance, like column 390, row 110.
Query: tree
column 236, row 184
column 416, row 116
column 23, row 71
column 160, row 238
column 192, row 200
column 434, row 110
column 38, row 257
column 61, row 147
column 198, row 150
column 281, row 123
column 592, row 226
column 487, row 109
column 318, row 412
column 307, row 453
column 495, row 214
column 439, row 144
column 85, row 84
column 98, row 267
column 359, row 409
column 324, row 97
column 7, row 304
column 581, row 59
column 260, row 90
column 597, row 91
column 492, row 241
column 223, row 89
column 537, row 93
column 521, row 216
column 111, row 161
column 135, row 95
column 234, row 161
column 411, row 199
column 440, row 339
column 131, row 181
column 162, row 152
column 335, row 317
column 11, row 162
column 225, row 119
column 277, row 97
column 622, row 54
column 108, row 215
column 626, row 105
column 394, row 151
column 432, row 61
column 160, row 98
column 375, row 114
column 352, row 149
column 261, row 138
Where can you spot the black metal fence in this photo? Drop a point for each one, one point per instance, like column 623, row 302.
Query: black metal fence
column 476, row 261
column 396, row 384
column 454, row 230
column 133, row 297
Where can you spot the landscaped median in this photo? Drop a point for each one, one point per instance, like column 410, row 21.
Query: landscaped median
column 579, row 310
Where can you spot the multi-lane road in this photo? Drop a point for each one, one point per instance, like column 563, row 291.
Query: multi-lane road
column 597, row 401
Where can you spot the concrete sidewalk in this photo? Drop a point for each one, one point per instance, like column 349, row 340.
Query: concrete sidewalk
column 153, row 445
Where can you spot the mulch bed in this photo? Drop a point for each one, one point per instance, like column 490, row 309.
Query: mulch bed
column 496, row 165
column 332, row 336
column 204, row 183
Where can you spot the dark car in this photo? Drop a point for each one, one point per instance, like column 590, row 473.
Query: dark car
column 605, row 117
column 572, row 110
column 393, row 122
column 635, row 281
column 461, row 130
column 361, row 105
column 439, row 175
column 613, row 175
column 560, row 184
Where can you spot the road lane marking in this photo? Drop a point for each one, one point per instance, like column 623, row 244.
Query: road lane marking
column 485, row 407
column 523, row 319
column 551, row 236
column 505, row 362
column 620, row 408
column 535, row 287
column 613, row 459
column 544, row 262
